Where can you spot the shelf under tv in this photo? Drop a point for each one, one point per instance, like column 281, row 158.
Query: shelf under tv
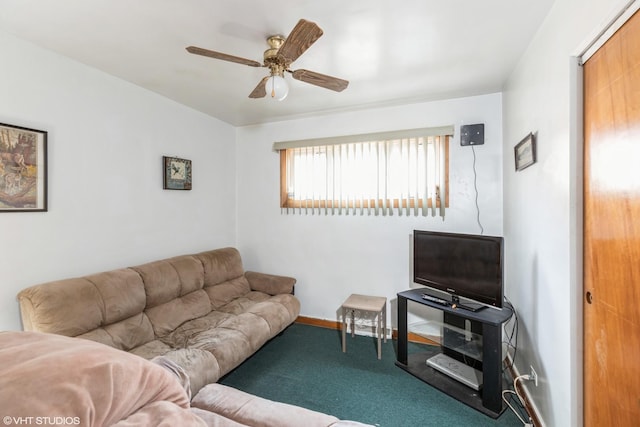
column 488, row 399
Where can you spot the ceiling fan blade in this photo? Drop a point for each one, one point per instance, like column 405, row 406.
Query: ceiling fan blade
column 303, row 35
column 261, row 90
column 219, row 55
column 321, row 80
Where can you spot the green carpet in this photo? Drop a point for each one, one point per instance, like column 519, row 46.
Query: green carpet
column 305, row 366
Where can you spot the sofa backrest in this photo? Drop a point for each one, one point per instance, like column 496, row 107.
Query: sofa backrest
column 105, row 307
column 224, row 278
column 174, row 292
column 129, row 307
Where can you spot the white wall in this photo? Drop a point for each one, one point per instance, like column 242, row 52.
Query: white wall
column 334, row 256
column 107, row 208
column 542, row 207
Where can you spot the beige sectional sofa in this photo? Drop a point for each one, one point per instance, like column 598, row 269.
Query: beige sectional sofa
column 195, row 317
column 203, row 311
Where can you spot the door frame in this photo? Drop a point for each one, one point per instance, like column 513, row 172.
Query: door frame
column 576, row 234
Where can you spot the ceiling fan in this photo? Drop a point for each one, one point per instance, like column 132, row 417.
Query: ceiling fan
column 278, row 58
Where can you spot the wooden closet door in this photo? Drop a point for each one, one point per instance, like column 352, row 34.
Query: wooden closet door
column 612, row 231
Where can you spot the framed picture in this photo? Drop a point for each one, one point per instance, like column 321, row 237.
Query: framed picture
column 177, row 173
column 525, row 152
column 23, row 169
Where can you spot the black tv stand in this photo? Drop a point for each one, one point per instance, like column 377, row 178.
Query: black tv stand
column 487, row 322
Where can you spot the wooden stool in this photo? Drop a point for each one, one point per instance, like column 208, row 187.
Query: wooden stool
column 377, row 305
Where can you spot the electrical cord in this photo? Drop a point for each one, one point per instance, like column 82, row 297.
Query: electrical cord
column 512, row 342
column 512, row 337
column 475, row 185
column 517, row 394
column 519, row 410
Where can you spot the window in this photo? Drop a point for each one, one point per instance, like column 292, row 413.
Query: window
column 404, row 172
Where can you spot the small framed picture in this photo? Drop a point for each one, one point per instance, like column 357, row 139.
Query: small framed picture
column 525, row 152
column 177, row 173
column 23, row 169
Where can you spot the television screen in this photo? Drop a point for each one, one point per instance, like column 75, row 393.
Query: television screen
column 463, row 265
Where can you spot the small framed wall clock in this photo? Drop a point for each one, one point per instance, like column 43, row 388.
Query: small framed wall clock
column 177, row 173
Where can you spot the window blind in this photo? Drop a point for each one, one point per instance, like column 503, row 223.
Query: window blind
column 402, row 173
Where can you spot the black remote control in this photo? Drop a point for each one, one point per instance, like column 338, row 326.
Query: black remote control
column 435, row 299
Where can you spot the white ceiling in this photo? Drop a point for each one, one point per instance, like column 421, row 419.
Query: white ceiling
column 391, row 52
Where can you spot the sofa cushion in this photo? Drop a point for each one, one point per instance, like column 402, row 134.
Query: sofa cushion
column 124, row 335
column 230, row 347
column 52, row 375
column 289, row 302
column 243, row 303
column 151, row 349
column 278, row 311
column 199, row 365
column 171, row 278
column 105, row 307
column 214, row 420
column 227, row 291
column 67, row 307
column 220, row 265
column 174, row 292
column 183, row 335
column 255, row 329
column 255, row 411
column 224, row 278
column 122, row 294
column 162, row 414
column 168, row 316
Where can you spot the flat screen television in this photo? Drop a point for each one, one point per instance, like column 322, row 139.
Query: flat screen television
column 461, row 265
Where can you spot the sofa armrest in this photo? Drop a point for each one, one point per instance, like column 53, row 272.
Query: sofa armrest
column 270, row 283
column 250, row 410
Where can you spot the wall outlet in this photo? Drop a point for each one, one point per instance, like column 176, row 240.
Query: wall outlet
column 533, row 376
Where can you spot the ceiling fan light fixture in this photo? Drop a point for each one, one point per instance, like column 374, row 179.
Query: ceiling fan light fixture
column 277, row 87
column 278, row 58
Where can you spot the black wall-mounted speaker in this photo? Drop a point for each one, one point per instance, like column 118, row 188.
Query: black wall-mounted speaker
column 472, row 134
